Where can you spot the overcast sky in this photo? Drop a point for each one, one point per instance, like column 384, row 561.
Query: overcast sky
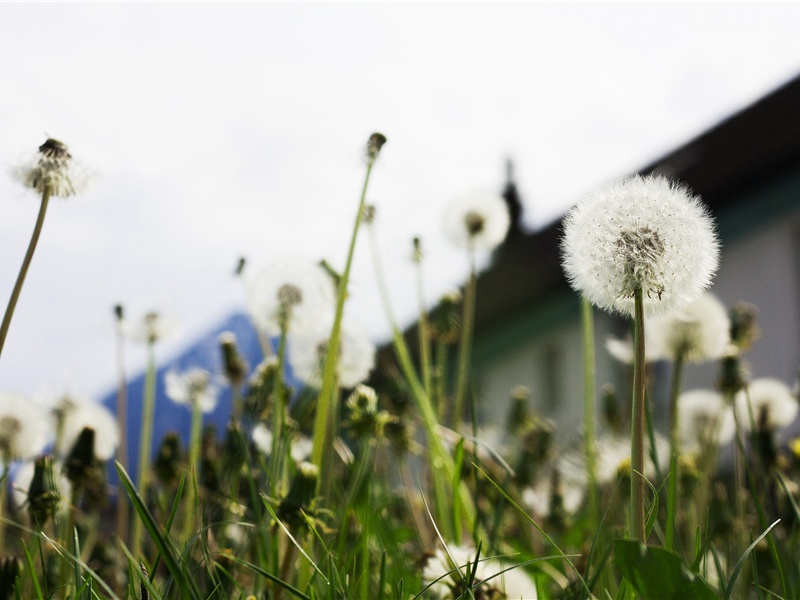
column 220, row 130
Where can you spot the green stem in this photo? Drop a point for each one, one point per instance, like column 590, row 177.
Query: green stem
column 422, row 332
column 674, row 432
column 328, row 391
column 589, row 412
column 23, row 271
column 194, row 470
column 279, row 414
column 465, row 348
column 123, row 515
column 145, row 443
column 637, row 424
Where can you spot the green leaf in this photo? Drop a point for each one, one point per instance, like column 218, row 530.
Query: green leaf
column 659, row 573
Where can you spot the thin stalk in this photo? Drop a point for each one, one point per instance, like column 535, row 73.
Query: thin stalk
column 637, row 422
column 327, row 393
column 194, row 470
column 145, row 443
column 674, row 432
column 589, row 412
column 279, row 415
column 422, row 331
column 465, row 347
column 23, row 271
column 123, row 514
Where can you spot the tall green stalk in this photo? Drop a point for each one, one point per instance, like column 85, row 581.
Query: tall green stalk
column 23, row 271
column 637, row 422
column 589, row 412
column 145, row 443
column 465, row 347
column 327, row 395
column 195, row 435
column 674, row 432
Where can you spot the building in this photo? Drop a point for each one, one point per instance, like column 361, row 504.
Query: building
column 747, row 170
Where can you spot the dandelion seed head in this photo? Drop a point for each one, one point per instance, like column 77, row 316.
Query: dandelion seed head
column 294, row 292
column 772, row 403
column 25, row 429
column 52, row 170
column 76, row 414
column 192, row 387
column 476, row 220
column 703, row 420
column 642, row 232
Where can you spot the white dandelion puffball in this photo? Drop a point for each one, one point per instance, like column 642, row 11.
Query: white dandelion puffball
column 476, row 220
column 78, row 415
column 25, row 428
column 151, row 327
column 192, row 387
column 446, row 577
column 700, row 331
column 703, row 419
column 297, row 290
column 52, row 170
column 356, row 355
column 771, row 403
column 642, row 232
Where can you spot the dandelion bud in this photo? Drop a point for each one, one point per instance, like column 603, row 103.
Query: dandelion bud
column 167, row 465
column 744, row 329
column 82, row 467
column 10, row 570
column 300, row 496
column 518, row 413
column 233, row 364
column 43, row 493
column 374, row 145
column 416, row 254
column 240, row 265
column 368, row 214
column 119, row 312
column 732, row 378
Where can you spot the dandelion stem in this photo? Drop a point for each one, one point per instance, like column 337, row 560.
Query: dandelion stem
column 422, row 332
column 194, row 469
column 122, row 426
column 12, row 302
column 674, row 432
column 637, row 424
column 465, row 347
column 589, row 434
column 145, row 442
column 327, row 393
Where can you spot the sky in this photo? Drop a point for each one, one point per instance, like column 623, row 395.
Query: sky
column 214, row 131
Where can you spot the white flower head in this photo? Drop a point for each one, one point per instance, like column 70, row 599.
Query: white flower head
column 150, row 328
column 52, row 170
column 703, row 420
column 25, row 428
column 642, row 232
column 446, row 573
column 614, row 456
column 295, row 290
column 771, row 402
column 78, row 414
column 356, row 355
column 302, row 445
column 700, row 331
column 192, row 387
column 477, row 220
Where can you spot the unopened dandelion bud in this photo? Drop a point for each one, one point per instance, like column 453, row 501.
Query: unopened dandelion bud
column 365, row 420
column 301, row 495
column 744, row 328
column 518, row 413
column 119, row 312
column 260, row 389
column 81, row 462
column 168, row 464
column 368, row 214
column 416, row 254
column 374, row 145
column 445, row 319
column 10, row 571
column 233, row 364
column 44, row 494
column 240, row 265
column 732, row 377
